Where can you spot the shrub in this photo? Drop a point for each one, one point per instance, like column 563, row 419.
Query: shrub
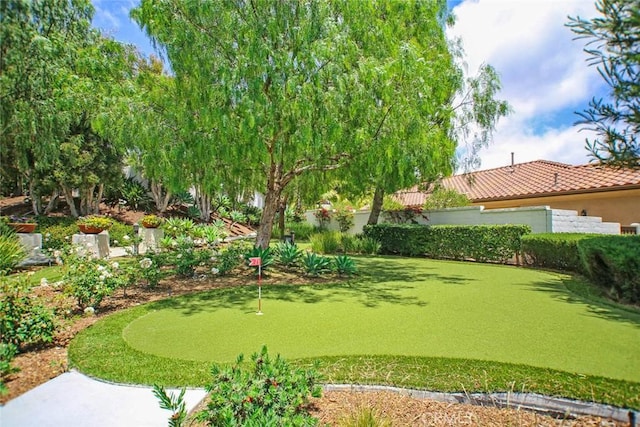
column 345, row 218
column 117, row 234
column 265, row 255
column 553, row 250
column 497, row 243
column 23, row 321
column 135, row 195
column 326, row 242
column 6, row 230
column 365, row 417
column 150, row 269
column 87, row 279
column 268, row 392
column 231, row 256
column 7, row 353
column 96, row 221
column 344, row 265
column 11, row 253
column 287, row 254
column 174, row 227
column 367, row 245
column 613, row 262
column 323, row 216
column 315, row 265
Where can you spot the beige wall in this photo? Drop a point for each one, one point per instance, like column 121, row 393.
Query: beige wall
column 612, row 206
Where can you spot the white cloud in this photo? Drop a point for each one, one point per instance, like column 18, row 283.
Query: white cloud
column 543, row 73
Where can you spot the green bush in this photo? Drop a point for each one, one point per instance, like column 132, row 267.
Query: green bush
column 613, row 262
column 118, row 231
column 231, row 256
column 326, row 242
column 87, row 279
column 495, row 243
column 302, row 230
column 267, row 393
column 23, row 321
column 11, row 253
column 553, row 250
column 7, row 353
column 6, row 230
column 367, row 245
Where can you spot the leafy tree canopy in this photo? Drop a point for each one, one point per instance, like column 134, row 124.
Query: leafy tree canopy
column 613, row 45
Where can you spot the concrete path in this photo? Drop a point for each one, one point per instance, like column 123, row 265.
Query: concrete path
column 73, row 399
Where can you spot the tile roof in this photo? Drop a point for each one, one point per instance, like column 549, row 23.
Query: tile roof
column 532, row 179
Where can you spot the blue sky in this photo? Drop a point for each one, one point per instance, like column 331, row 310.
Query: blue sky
column 543, row 70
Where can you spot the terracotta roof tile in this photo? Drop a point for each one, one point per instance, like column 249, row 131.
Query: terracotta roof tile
column 532, row 179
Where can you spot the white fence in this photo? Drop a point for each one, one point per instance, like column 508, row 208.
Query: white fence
column 541, row 219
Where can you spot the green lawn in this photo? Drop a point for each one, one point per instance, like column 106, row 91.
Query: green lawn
column 412, row 309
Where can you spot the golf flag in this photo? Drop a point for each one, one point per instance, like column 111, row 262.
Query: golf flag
column 255, row 262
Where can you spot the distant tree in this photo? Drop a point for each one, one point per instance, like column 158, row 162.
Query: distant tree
column 441, row 198
column 614, row 48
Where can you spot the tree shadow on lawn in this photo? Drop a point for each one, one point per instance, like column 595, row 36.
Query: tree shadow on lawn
column 379, row 284
column 604, row 310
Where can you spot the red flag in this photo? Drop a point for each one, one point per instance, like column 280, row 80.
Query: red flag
column 255, row 261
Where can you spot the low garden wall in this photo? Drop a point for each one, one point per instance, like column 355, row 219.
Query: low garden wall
column 541, row 219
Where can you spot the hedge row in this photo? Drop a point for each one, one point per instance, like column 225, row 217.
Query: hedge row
column 611, row 262
column 494, row 243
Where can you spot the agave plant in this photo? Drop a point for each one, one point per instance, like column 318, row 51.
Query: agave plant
column 344, row 265
column 315, row 264
column 264, row 254
column 288, row 254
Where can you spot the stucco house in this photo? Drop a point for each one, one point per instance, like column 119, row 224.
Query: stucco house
column 610, row 193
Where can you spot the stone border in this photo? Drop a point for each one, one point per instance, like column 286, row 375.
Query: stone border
column 556, row 407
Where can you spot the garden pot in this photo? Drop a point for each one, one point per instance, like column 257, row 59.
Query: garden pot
column 23, row 227
column 88, row 229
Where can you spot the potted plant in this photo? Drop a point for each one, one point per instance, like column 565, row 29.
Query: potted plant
column 151, row 221
column 94, row 224
column 21, row 224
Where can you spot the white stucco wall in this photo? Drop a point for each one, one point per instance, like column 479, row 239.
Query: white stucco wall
column 541, row 219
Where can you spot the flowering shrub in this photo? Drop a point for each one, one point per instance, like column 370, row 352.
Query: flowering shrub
column 87, row 279
column 323, row 216
column 150, row 270
column 405, row 215
column 268, row 392
column 345, row 218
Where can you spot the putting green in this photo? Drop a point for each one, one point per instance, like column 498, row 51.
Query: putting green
column 410, row 307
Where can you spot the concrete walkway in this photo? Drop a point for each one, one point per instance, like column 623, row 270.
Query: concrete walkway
column 73, row 399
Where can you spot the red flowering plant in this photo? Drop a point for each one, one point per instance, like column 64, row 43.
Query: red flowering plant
column 323, row 215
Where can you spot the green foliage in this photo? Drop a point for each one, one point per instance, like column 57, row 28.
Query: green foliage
column 151, row 221
column 150, row 269
column 11, row 253
column 325, row 242
column 23, row 321
column 231, row 256
column 442, row 198
column 186, row 257
column 302, row 230
column 135, row 195
column 345, row 218
column 174, row 227
column 553, row 250
column 288, row 254
column 172, row 403
column 368, row 245
column 495, row 243
column 268, row 392
column 58, row 236
column 613, row 262
column 117, row 234
column 96, row 221
column 344, row 265
column 6, row 230
column 7, row 353
column 612, row 47
column 315, row 265
column 265, row 256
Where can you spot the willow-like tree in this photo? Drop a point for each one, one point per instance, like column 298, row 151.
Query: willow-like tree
column 613, row 45
column 283, row 89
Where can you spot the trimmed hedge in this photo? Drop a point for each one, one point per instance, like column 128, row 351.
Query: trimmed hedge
column 485, row 243
column 553, row 250
column 613, row 262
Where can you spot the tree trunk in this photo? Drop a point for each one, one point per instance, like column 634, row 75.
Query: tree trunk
column 68, row 196
column 161, row 197
column 376, row 206
column 281, row 217
column 36, row 201
column 53, row 202
column 268, row 215
column 204, row 204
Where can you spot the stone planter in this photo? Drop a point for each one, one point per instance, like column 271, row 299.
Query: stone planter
column 23, row 227
column 88, row 229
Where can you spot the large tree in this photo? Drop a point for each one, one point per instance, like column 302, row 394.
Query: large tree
column 613, row 45
column 56, row 76
column 277, row 90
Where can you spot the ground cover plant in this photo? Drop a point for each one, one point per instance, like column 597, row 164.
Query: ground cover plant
column 456, row 327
